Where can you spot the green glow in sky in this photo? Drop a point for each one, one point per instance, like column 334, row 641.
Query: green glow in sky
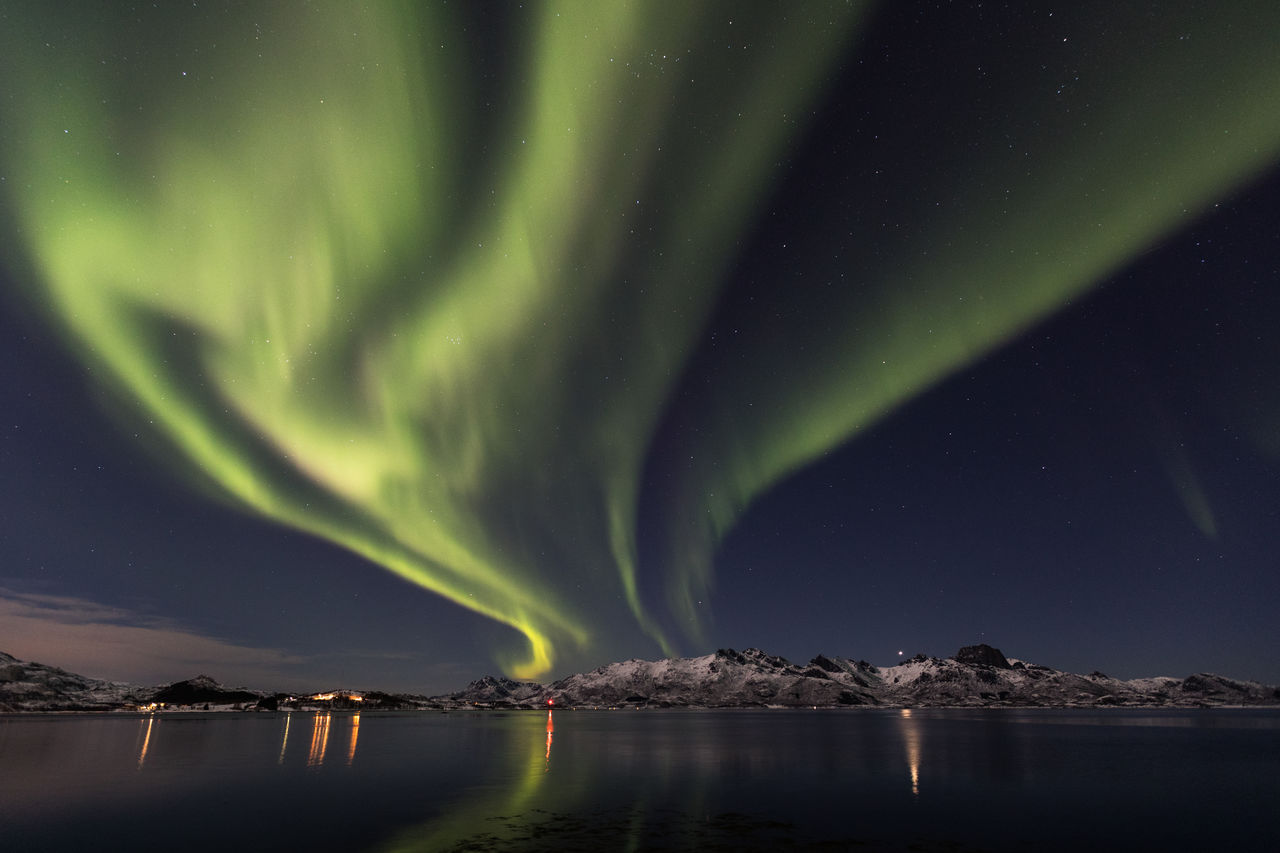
column 367, row 292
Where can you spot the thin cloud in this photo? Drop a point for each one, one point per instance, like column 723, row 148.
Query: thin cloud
column 104, row 641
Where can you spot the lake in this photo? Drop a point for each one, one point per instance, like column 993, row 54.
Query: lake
column 954, row 780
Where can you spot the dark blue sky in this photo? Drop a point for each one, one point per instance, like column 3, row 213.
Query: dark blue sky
column 1101, row 491
column 1034, row 501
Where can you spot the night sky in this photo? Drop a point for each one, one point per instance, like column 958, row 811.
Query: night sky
column 390, row 345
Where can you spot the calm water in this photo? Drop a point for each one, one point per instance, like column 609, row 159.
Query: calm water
column 644, row 780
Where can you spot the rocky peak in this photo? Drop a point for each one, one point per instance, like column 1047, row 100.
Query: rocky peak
column 754, row 657
column 982, row 655
column 498, row 690
column 502, row 686
column 824, row 663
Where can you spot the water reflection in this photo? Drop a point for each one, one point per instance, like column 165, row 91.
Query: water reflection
column 284, row 741
column 323, row 725
column 319, row 740
column 499, row 814
column 550, row 730
column 146, row 740
column 910, row 728
column 734, row 780
column 355, row 734
column 673, row 780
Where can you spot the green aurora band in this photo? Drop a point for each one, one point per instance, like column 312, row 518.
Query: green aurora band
column 366, row 279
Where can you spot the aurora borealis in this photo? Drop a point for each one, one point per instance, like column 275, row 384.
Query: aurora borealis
column 529, row 305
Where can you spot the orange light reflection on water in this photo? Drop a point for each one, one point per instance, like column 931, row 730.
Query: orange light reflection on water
column 911, row 738
column 319, row 741
column 355, row 734
column 550, row 730
column 146, row 741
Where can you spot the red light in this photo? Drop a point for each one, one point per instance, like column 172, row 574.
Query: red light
column 551, row 701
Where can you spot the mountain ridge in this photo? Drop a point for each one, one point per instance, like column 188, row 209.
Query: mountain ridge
column 975, row 677
column 978, row 676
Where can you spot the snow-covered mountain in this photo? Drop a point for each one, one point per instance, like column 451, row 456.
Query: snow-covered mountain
column 28, row 686
column 977, row 676
column 725, row 679
column 497, row 691
column 35, row 687
column 954, row 682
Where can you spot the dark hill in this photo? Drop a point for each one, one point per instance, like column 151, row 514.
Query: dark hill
column 201, row 689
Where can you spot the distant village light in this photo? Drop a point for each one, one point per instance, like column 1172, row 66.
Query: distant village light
column 329, row 697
